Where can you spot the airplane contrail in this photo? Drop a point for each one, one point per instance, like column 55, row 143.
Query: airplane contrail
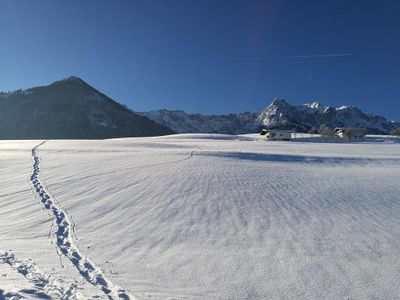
column 288, row 57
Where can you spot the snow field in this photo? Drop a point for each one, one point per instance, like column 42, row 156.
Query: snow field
column 212, row 216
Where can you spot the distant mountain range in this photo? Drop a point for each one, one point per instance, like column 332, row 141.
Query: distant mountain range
column 181, row 122
column 72, row 109
column 278, row 115
column 69, row 109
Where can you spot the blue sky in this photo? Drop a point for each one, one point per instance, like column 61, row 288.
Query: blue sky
column 209, row 56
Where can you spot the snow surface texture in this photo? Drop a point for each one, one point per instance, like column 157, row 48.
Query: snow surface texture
column 44, row 285
column 201, row 216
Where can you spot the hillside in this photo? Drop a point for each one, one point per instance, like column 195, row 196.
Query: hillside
column 69, row 109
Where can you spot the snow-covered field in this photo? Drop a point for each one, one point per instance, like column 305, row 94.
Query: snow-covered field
column 200, row 217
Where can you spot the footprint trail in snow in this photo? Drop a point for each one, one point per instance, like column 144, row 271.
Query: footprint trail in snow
column 45, row 285
column 64, row 240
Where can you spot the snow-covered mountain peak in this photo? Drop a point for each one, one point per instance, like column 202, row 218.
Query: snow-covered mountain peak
column 278, row 114
column 275, row 113
column 278, row 105
column 279, row 102
column 314, row 105
column 348, row 108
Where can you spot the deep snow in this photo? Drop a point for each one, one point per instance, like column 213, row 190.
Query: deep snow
column 204, row 216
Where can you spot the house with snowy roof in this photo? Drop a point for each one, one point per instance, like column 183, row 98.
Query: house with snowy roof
column 276, row 135
column 350, row 133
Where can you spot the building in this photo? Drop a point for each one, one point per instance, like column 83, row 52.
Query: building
column 276, row 135
column 350, row 133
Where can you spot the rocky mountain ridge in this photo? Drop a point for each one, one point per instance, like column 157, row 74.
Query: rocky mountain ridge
column 278, row 115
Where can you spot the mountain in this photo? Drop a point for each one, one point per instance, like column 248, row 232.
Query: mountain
column 69, row 109
column 72, row 109
column 279, row 114
column 182, row 122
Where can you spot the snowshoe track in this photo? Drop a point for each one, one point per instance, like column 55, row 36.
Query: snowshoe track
column 64, row 240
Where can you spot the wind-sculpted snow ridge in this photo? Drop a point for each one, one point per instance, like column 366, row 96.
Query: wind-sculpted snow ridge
column 46, row 286
column 64, row 240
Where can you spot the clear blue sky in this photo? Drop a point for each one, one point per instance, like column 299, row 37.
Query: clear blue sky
column 209, row 56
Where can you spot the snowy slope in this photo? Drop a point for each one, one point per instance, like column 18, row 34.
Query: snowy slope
column 204, row 216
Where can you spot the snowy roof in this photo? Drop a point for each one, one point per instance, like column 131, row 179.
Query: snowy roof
column 276, row 130
column 348, row 129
